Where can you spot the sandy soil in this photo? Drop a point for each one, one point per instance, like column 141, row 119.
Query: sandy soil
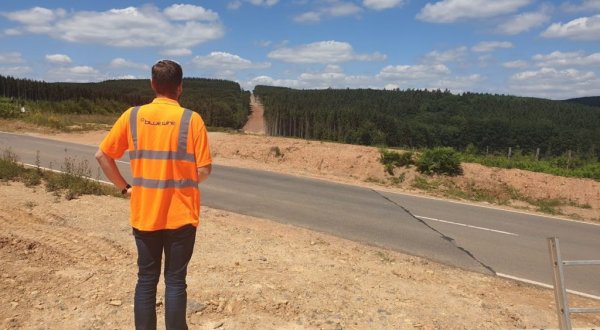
column 71, row 265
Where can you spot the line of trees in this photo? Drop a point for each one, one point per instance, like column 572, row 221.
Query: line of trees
column 427, row 119
column 221, row 103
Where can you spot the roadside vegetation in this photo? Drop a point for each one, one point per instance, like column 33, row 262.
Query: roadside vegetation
column 73, row 180
column 437, row 166
column 447, row 161
column 221, row 103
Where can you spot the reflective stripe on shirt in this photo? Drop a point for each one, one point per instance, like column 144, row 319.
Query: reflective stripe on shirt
column 180, row 155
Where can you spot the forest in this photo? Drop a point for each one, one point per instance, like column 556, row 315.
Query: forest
column 426, row 119
column 590, row 100
column 221, row 103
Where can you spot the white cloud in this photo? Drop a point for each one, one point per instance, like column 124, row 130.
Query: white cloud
column 555, row 84
column 434, row 76
column 523, row 22
column 322, row 52
column 190, row 13
column 309, row 16
column 16, row 71
column 177, row 52
column 448, row 11
column 331, row 76
column 584, row 6
column 490, row 46
column 264, row 3
column 222, row 61
column 583, row 28
column 120, row 63
column 234, row 5
column 58, row 59
column 334, row 8
column 382, row 4
column 35, row 15
column 458, row 84
column 127, row 76
column 269, row 81
column 558, row 59
column 518, row 64
column 145, row 26
column 406, row 73
column 11, row 58
column 342, row 9
column 75, row 74
column 264, row 43
column 12, row 32
column 452, row 55
column 391, row 77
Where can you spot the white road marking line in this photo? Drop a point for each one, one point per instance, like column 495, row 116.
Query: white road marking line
column 57, row 171
column 524, row 280
column 469, row 226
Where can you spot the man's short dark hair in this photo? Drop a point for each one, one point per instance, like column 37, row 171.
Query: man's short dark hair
column 166, row 76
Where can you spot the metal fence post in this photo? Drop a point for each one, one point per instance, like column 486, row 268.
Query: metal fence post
column 560, row 292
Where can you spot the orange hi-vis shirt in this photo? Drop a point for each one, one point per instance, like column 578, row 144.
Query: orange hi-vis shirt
column 166, row 144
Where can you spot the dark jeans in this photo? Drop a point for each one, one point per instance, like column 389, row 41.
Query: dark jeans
column 178, row 245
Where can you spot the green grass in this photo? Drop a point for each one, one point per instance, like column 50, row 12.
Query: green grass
column 70, row 122
column 561, row 166
column 74, row 180
column 422, row 183
column 501, row 194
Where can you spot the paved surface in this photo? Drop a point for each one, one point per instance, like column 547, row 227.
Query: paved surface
column 471, row 237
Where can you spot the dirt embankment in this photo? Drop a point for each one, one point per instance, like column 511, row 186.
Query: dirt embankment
column 71, row 265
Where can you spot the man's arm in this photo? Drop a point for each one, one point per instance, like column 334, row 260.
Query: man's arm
column 110, row 169
column 204, row 172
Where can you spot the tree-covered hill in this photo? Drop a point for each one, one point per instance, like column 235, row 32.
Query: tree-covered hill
column 419, row 119
column 221, row 103
column 590, row 100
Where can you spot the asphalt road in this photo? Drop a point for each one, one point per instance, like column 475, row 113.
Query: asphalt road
column 471, row 237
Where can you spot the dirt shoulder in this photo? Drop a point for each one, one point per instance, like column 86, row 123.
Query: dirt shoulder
column 71, row 264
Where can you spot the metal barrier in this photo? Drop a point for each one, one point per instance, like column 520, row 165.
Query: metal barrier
column 560, row 291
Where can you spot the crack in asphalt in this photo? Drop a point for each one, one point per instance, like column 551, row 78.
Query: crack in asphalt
column 444, row 236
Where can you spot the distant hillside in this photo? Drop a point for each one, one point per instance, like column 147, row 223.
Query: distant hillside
column 419, row 118
column 593, row 101
column 220, row 102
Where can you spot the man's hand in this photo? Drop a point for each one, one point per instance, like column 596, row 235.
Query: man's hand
column 204, row 172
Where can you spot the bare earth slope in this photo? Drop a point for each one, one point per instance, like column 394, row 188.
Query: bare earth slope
column 256, row 121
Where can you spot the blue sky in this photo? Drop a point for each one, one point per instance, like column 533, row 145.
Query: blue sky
column 521, row 47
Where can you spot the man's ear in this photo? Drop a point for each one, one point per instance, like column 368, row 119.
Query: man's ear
column 152, row 85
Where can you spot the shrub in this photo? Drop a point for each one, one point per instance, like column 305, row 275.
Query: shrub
column 276, row 152
column 392, row 159
column 10, row 169
column 439, row 161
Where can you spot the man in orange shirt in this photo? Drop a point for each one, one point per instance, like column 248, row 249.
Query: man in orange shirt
column 169, row 156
